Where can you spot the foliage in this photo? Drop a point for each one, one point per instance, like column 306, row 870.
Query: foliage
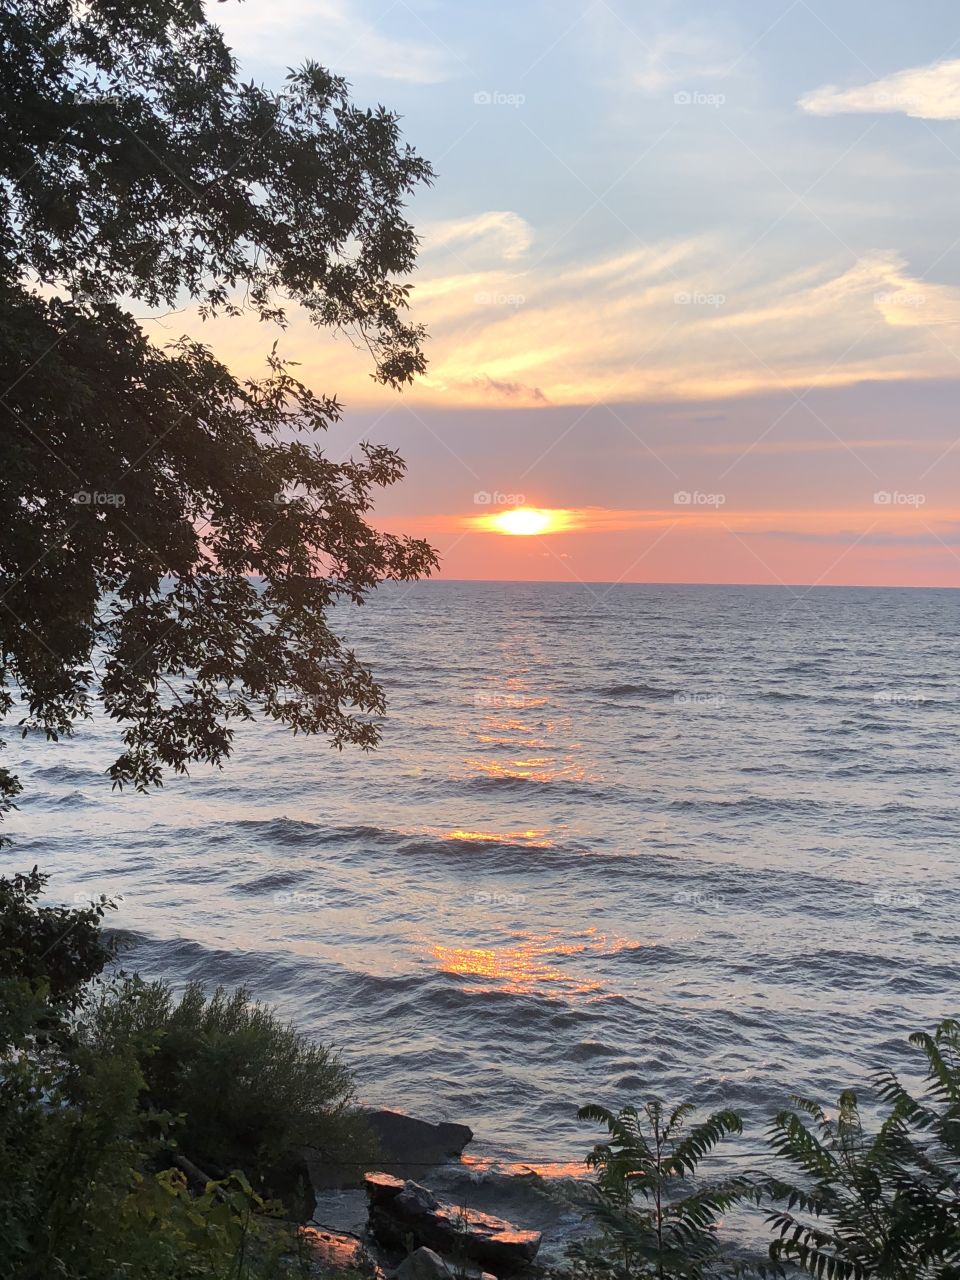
column 883, row 1205
column 47, row 955
column 654, row 1221
column 181, row 524
column 83, row 1191
column 87, row 1187
column 249, row 1091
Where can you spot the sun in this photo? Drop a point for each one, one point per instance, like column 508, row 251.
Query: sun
column 523, row 521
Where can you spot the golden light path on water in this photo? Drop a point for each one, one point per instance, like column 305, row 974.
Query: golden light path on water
column 531, row 839
column 520, row 960
column 524, row 966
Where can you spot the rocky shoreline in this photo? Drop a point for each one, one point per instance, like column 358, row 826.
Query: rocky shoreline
column 421, row 1212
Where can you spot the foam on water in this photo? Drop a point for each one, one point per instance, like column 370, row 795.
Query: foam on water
column 617, row 842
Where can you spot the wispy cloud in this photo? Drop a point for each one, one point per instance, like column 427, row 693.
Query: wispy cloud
column 643, row 51
column 674, row 321
column 494, row 234
column 930, row 92
column 335, row 32
column 690, row 319
column 872, row 524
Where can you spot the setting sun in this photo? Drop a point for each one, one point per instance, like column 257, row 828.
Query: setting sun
column 523, row 521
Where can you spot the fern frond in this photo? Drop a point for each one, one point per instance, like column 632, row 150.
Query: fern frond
column 793, row 1140
column 703, row 1138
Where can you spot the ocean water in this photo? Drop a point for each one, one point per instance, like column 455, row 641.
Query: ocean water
column 618, row 842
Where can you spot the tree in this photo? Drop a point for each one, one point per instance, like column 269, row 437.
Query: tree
column 173, row 537
column 883, row 1205
column 654, row 1221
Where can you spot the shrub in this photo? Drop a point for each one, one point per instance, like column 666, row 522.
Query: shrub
column 47, row 956
column 883, row 1205
column 654, row 1222
column 81, row 1197
column 248, row 1090
column 92, row 1094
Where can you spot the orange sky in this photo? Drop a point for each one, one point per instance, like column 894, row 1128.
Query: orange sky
column 670, row 250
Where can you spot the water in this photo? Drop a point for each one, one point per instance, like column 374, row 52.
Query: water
column 618, row 842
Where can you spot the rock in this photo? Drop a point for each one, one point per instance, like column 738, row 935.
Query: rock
column 292, row 1183
column 401, row 1212
column 407, row 1146
column 414, row 1200
column 423, row 1264
column 405, row 1140
column 336, row 1252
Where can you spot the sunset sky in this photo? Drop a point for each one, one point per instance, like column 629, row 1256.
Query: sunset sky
column 691, row 273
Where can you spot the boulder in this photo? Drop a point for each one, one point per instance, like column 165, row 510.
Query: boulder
column 405, row 1140
column 423, row 1264
column 336, row 1252
column 402, row 1211
column 406, row 1145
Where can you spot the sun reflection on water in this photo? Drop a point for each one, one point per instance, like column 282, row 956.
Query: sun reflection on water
column 528, row 965
column 538, row 769
column 532, row 839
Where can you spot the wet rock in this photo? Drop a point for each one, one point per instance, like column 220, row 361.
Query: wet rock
column 336, row 1252
column 404, row 1140
column 402, row 1212
column 406, row 1146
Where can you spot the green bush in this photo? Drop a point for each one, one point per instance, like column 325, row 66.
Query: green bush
column 247, row 1090
column 83, row 1191
column 95, row 1104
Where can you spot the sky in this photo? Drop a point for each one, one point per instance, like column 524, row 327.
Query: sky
column 691, row 273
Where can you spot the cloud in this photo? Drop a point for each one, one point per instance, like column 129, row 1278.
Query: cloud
column 645, row 53
column 281, row 32
column 675, row 321
column 495, row 234
column 510, row 390
column 788, row 448
column 687, row 319
column 928, row 93
column 928, row 538
column 869, row 525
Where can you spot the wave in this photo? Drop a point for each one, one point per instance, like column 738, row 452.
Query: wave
column 634, row 690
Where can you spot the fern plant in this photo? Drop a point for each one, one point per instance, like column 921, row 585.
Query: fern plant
column 654, row 1219
column 880, row 1206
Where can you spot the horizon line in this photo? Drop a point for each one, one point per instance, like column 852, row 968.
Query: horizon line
column 602, row 582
